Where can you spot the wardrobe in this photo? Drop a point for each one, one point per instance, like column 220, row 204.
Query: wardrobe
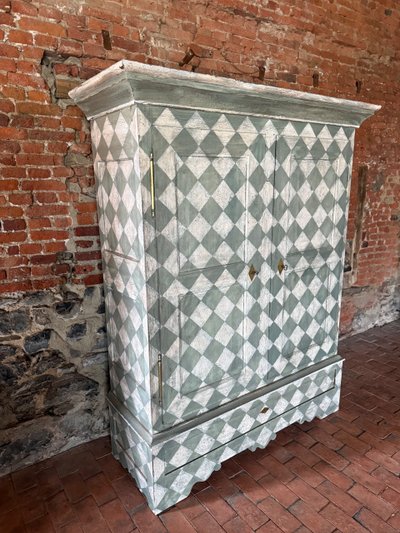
column 222, row 210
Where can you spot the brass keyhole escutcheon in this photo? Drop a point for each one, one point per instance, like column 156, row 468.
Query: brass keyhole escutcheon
column 264, row 410
column 281, row 266
column 252, row 272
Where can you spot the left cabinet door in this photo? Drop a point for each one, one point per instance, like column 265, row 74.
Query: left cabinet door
column 211, row 189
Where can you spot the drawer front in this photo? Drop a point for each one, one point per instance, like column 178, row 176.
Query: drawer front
column 194, row 443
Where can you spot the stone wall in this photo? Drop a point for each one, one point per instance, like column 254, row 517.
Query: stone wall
column 53, row 373
column 52, row 356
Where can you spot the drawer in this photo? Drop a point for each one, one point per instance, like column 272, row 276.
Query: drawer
column 188, row 446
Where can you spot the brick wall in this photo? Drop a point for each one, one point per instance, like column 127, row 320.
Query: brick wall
column 48, row 226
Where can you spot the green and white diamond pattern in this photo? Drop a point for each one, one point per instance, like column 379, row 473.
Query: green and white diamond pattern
column 295, row 312
column 231, row 191
column 187, row 458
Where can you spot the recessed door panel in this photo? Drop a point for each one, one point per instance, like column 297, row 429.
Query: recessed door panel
column 213, row 183
column 310, row 189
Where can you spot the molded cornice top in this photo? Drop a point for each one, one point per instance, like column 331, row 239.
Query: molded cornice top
column 129, row 82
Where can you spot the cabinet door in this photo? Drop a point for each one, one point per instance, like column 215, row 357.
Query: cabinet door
column 310, row 209
column 211, row 189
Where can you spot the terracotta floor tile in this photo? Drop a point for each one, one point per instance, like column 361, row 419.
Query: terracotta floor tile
column 101, row 489
column 111, row 468
column 90, row 517
column 339, row 474
column 41, row 525
column 116, row 516
column 100, row 447
column 128, row 493
column 217, row 506
column 146, row 521
column 174, row 520
column 60, row 509
column 24, row 479
column 75, row 487
column 12, row 522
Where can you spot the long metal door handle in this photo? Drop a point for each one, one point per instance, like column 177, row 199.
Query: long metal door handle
column 152, row 188
column 160, row 379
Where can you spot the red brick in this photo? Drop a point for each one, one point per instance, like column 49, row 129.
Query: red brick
column 250, row 487
column 32, row 508
column 14, row 225
column 15, row 236
column 205, row 522
column 7, row 50
column 191, row 507
column 89, row 515
column 322, row 436
column 116, row 517
column 247, row 510
column 358, row 474
column 33, row 108
column 391, row 496
column 93, row 279
column 386, row 478
column 18, row 36
column 49, row 483
column 128, row 493
column 312, row 520
column 335, row 476
column 222, row 484
column 351, row 455
column 309, row 495
column 175, row 520
column 372, row 522
column 330, row 456
column 237, row 525
column 101, row 489
column 75, row 488
column 340, row 498
column 385, row 461
column 40, row 524
column 374, row 503
column 10, row 147
column 279, row 515
column 60, row 509
column 343, row 522
column 247, row 462
column 277, row 469
column 278, row 490
column 111, row 468
column 211, row 500
column 309, row 475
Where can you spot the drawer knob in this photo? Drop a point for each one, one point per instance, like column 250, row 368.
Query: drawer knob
column 264, row 410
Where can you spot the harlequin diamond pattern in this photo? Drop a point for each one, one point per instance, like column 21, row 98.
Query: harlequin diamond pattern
column 119, row 201
column 114, row 135
column 182, row 461
column 217, row 213
column 126, row 317
column 211, row 323
column 203, row 224
column 212, row 179
column 312, row 178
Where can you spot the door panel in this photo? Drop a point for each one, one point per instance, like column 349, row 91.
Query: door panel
column 310, row 180
column 213, row 183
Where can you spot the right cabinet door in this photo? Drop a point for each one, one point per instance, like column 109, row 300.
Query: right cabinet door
column 310, row 211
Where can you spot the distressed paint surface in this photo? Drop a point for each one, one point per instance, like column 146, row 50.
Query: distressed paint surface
column 233, row 194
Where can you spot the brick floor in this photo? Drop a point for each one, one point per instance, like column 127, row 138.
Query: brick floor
column 338, row 474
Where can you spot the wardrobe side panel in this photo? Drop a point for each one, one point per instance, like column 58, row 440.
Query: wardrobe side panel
column 119, row 200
